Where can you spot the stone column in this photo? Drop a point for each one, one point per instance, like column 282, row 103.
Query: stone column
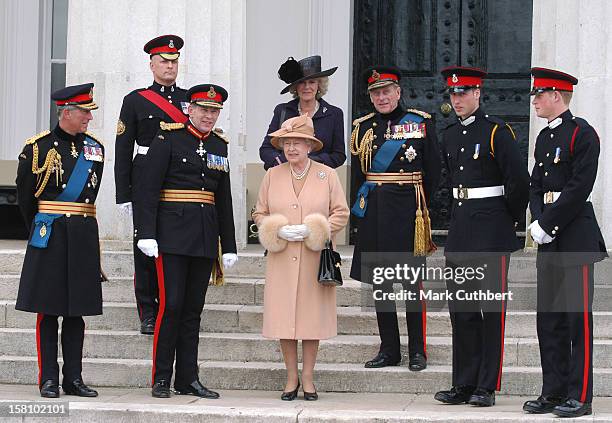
column 576, row 37
column 105, row 41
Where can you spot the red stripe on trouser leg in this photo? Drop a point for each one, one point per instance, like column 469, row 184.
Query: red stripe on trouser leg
column 503, row 322
column 159, row 266
column 39, row 318
column 587, row 352
column 423, row 319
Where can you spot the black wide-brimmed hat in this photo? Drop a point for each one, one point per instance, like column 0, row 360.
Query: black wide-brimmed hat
column 293, row 72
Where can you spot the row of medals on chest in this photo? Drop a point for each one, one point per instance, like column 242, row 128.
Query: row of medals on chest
column 91, row 153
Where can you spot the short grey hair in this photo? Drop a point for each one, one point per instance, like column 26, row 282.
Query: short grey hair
column 60, row 109
column 323, row 87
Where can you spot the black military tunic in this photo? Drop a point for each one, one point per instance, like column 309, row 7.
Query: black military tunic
column 138, row 123
column 481, row 151
column 389, row 221
column 566, row 161
column 188, row 235
column 63, row 279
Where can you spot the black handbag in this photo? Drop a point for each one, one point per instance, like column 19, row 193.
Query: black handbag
column 329, row 266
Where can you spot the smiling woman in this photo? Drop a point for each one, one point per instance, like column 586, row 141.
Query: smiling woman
column 308, row 84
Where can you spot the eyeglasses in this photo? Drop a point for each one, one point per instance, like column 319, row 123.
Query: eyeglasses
column 294, row 143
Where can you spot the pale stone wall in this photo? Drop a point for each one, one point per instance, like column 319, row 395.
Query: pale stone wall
column 105, row 40
column 576, row 37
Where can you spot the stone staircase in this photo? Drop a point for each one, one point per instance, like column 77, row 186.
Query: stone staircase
column 234, row 355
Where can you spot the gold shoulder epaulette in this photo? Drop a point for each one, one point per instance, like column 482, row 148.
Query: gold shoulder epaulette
column 219, row 132
column 171, row 126
column 362, row 118
column 420, row 113
column 95, row 138
column 36, row 137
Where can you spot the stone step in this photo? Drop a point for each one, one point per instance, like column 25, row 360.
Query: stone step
column 250, row 291
column 334, row 377
column 254, row 347
column 251, row 263
column 120, row 405
column 248, row 319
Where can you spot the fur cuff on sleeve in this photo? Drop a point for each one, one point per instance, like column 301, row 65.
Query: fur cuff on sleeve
column 268, row 232
column 320, row 231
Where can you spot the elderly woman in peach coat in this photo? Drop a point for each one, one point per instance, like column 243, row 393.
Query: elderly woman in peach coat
column 301, row 204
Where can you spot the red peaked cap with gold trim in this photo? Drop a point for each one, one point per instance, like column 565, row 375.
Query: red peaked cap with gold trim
column 380, row 76
column 551, row 80
column 461, row 78
column 80, row 96
column 167, row 46
column 207, row 95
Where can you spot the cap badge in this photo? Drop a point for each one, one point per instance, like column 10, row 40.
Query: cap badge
column 375, row 75
column 171, row 44
column 212, row 93
column 454, row 78
column 91, row 93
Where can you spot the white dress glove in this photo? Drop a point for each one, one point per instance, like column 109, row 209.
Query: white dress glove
column 229, row 259
column 538, row 234
column 148, row 247
column 126, row 208
column 291, row 233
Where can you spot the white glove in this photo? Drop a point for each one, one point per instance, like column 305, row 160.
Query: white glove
column 148, row 247
column 290, row 233
column 301, row 230
column 538, row 234
column 229, row 259
column 126, row 208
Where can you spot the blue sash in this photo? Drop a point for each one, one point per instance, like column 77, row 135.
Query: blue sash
column 386, row 153
column 43, row 222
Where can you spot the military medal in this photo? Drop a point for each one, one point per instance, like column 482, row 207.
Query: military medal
column 201, row 150
column 410, row 154
column 388, row 132
column 557, row 155
column 43, row 230
column 476, row 151
column 361, row 202
column 93, row 154
column 94, row 179
column 73, row 151
column 217, row 162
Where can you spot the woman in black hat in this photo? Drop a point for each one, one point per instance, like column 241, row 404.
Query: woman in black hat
column 308, row 84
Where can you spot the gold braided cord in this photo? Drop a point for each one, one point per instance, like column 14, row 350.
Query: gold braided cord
column 53, row 163
column 362, row 148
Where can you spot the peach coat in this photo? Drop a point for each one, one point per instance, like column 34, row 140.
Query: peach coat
column 296, row 306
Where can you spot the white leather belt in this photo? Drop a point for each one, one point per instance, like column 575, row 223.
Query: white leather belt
column 142, row 150
column 482, row 192
column 552, row 196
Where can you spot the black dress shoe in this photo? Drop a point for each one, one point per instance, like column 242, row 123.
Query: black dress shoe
column 291, row 395
column 381, row 360
column 78, row 388
column 197, row 389
column 573, row 408
column 161, row 389
column 542, row 405
column 417, row 362
column 482, row 398
column 311, row 396
column 456, row 395
column 49, row 389
column 147, row 326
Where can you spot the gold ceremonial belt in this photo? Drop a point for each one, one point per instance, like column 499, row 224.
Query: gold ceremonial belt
column 67, row 208
column 187, row 196
column 395, row 178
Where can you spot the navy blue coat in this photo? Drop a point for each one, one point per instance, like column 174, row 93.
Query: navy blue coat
column 329, row 128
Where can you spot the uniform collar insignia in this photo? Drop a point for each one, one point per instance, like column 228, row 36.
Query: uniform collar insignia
column 468, row 121
column 555, row 122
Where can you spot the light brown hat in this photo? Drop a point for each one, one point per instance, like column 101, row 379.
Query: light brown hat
column 296, row 127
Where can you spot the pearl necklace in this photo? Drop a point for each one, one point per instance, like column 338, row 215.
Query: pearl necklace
column 316, row 108
column 299, row 176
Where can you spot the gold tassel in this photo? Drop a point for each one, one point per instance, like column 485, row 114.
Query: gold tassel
column 431, row 246
column 217, row 277
column 419, row 226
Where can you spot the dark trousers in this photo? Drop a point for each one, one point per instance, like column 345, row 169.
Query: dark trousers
column 565, row 330
column 73, row 333
column 478, row 326
column 183, row 281
column 145, row 281
column 388, row 327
